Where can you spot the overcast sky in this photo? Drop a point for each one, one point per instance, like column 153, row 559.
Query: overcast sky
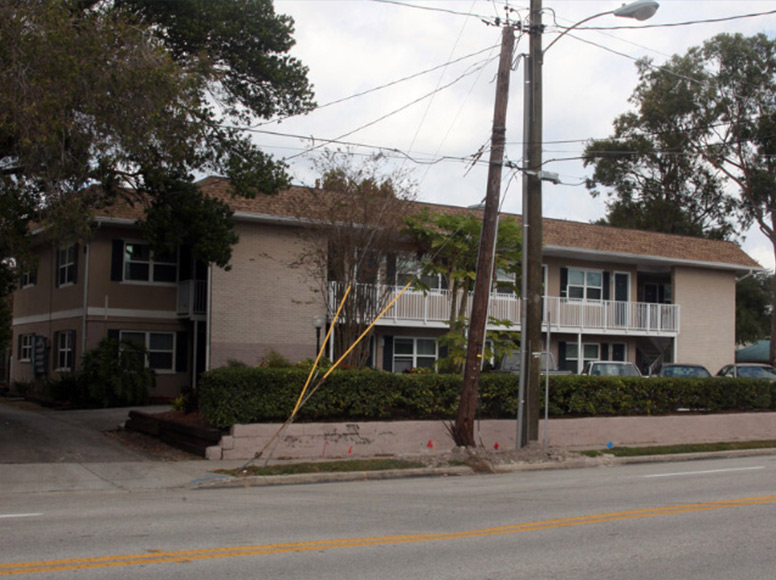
column 358, row 45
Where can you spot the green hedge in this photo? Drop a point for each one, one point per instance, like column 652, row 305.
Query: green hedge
column 231, row 395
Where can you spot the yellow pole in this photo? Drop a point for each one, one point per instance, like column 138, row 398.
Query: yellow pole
column 320, row 352
column 319, row 383
column 363, row 334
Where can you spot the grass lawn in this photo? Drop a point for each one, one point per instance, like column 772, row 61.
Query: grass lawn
column 674, row 449
column 324, row 467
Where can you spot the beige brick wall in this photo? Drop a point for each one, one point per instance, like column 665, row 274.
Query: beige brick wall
column 708, row 316
column 264, row 302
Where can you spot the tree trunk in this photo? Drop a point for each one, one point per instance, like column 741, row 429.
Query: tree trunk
column 772, row 350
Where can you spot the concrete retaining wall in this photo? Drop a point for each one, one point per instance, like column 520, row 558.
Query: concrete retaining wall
column 374, row 439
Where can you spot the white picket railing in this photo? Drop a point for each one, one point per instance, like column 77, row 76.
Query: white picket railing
column 565, row 314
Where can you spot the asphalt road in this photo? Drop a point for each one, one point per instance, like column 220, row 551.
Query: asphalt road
column 49, row 436
column 690, row 520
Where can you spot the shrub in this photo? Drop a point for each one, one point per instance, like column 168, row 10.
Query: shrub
column 115, row 373
column 68, row 388
column 22, row 388
column 249, row 395
column 274, row 360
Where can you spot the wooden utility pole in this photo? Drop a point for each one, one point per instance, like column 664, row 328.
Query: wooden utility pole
column 531, row 340
column 463, row 429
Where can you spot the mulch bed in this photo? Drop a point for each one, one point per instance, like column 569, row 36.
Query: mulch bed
column 155, row 448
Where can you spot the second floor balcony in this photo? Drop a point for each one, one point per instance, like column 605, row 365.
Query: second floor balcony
column 192, row 298
column 432, row 310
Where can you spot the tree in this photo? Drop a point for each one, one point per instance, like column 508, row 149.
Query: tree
column 115, row 373
column 722, row 97
column 352, row 223
column 6, row 316
column 447, row 245
column 117, row 93
column 753, row 308
column 654, row 179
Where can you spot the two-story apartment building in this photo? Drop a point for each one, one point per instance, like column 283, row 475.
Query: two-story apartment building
column 610, row 294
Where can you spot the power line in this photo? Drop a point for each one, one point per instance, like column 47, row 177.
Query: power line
column 378, row 88
column 431, row 8
column 432, row 160
column 402, row 108
column 677, row 24
column 439, row 81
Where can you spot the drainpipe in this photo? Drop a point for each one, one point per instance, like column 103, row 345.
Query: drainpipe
column 84, row 316
column 194, row 350
column 745, row 276
column 208, row 317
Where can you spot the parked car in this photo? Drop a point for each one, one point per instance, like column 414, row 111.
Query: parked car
column 611, row 368
column 748, row 371
column 683, row 370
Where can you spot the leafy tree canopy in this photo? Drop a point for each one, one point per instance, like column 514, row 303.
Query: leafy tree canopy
column 448, row 245
column 700, row 148
column 110, row 92
column 352, row 222
column 651, row 168
column 753, row 308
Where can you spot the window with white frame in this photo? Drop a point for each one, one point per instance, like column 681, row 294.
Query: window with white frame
column 66, row 259
column 64, row 345
column 408, row 269
column 590, row 351
column 505, row 281
column 585, row 284
column 160, row 347
column 142, row 265
column 29, row 276
column 410, row 353
column 26, row 342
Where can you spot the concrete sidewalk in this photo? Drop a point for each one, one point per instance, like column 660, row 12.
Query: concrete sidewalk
column 115, row 476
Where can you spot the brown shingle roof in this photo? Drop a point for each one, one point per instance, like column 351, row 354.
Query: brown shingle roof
column 558, row 235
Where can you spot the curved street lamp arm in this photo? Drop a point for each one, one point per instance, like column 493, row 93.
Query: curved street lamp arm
column 570, row 28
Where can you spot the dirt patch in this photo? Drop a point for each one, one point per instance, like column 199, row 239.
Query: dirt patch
column 182, row 417
column 483, row 460
column 152, row 447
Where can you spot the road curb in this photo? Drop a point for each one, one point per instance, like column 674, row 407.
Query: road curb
column 308, row 478
column 223, row 481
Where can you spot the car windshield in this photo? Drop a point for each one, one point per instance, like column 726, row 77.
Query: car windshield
column 615, row 370
column 757, row 372
column 684, row 371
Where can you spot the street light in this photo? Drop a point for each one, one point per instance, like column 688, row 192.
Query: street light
column 531, row 319
column 318, row 322
column 638, row 10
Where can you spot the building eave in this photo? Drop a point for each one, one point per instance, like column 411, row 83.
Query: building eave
column 642, row 260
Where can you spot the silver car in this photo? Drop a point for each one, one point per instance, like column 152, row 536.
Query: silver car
column 610, row 368
column 683, row 371
column 748, row 371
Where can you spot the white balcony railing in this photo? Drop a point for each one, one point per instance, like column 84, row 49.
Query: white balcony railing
column 566, row 315
column 192, row 297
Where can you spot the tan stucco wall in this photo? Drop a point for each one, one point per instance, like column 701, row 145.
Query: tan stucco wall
column 44, row 295
column 124, row 295
column 708, row 316
column 44, row 309
column 264, row 303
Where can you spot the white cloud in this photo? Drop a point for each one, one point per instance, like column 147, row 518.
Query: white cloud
column 356, row 45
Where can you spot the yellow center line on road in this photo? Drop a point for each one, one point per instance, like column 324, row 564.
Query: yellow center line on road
column 238, row 551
